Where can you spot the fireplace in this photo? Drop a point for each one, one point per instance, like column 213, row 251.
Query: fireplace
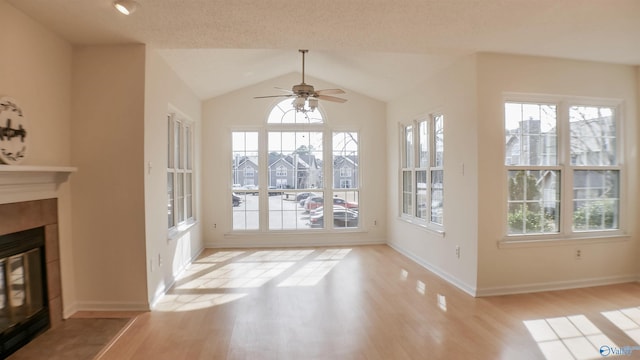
column 28, row 247
column 24, row 309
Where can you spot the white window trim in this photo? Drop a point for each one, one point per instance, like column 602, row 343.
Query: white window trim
column 327, row 131
column 174, row 117
column 566, row 235
column 425, row 223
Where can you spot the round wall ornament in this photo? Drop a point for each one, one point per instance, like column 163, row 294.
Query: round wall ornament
column 13, row 132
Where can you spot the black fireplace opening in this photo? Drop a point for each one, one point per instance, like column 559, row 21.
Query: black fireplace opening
column 24, row 309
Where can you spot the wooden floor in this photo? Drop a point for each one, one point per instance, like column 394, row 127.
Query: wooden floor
column 367, row 303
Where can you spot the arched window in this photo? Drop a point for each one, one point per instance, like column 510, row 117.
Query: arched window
column 302, row 159
column 285, row 113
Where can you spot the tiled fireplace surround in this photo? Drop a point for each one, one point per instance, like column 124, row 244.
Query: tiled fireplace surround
column 29, row 197
column 33, row 214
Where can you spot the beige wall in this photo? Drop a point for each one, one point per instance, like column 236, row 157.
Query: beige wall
column 35, row 70
column 107, row 145
column 164, row 88
column 530, row 268
column 451, row 93
column 238, row 110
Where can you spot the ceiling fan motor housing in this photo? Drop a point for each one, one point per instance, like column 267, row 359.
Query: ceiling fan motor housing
column 303, row 90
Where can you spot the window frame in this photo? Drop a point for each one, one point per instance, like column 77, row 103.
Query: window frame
column 412, row 164
column 272, row 125
column 566, row 169
column 181, row 168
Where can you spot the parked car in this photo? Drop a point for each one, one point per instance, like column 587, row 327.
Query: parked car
column 302, row 197
column 313, row 202
column 342, row 217
column 274, row 191
column 235, row 199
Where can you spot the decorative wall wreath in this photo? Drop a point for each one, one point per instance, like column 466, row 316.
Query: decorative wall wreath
column 13, row 132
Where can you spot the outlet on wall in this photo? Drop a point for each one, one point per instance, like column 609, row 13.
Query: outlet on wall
column 458, row 251
column 578, row 254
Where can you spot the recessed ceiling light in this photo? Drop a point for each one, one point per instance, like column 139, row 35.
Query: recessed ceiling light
column 126, row 7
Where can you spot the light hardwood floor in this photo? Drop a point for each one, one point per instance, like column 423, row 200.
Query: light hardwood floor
column 366, row 302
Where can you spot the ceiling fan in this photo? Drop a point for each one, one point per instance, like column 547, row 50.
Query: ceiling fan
column 305, row 94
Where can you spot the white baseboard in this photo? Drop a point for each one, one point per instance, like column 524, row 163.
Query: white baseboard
column 555, row 285
column 284, row 244
column 110, row 306
column 439, row 272
column 162, row 291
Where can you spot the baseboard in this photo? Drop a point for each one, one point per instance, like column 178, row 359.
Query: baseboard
column 161, row 292
column 555, row 285
column 110, row 306
column 285, row 244
column 69, row 310
column 437, row 271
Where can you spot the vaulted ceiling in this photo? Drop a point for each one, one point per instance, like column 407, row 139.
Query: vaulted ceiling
column 381, row 48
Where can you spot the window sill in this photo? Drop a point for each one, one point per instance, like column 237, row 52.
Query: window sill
column 592, row 238
column 179, row 230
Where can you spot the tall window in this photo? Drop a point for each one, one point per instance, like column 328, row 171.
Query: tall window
column 290, row 182
column 179, row 171
column 422, row 171
column 244, row 199
column 346, row 162
column 562, row 168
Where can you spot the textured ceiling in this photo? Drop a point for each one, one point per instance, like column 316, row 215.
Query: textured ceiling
column 380, row 48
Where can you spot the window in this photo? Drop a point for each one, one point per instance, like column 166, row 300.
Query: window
column 562, row 168
column 179, row 171
column 293, row 147
column 346, row 161
column 422, row 172
column 244, row 201
column 281, row 171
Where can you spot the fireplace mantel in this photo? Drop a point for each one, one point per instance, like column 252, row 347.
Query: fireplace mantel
column 28, row 182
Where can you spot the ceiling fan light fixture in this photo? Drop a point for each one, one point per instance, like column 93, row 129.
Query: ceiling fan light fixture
column 126, row 7
column 298, row 103
column 313, row 103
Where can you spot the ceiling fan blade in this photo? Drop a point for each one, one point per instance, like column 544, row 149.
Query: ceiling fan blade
column 273, row 96
column 331, row 98
column 330, row 91
column 283, row 89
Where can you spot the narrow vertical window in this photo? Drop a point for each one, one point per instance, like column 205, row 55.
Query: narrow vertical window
column 180, row 204
column 244, row 172
column 346, row 182
column 532, row 175
column 407, row 170
column 437, row 171
column 596, row 175
column 422, row 171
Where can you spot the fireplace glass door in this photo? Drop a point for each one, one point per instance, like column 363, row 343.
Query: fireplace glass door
column 23, row 291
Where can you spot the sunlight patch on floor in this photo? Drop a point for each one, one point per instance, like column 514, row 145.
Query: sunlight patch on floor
column 278, row 255
column 627, row 320
column 190, row 302
column 568, row 337
column 333, row 254
column 238, row 275
column 310, row 274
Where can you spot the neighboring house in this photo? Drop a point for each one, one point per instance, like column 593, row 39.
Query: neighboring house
column 345, row 172
column 245, row 171
column 281, row 173
column 296, row 171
